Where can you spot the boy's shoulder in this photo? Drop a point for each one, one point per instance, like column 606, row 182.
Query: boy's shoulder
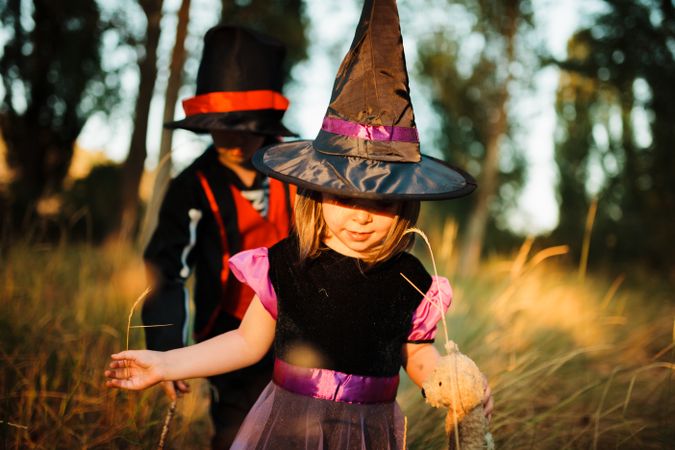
column 204, row 163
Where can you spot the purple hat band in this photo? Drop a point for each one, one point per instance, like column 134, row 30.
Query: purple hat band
column 369, row 132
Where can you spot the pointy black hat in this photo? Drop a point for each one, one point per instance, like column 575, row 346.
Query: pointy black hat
column 368, row 145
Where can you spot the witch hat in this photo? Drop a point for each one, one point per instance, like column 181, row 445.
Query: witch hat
column 238, row 85
column 368, row 145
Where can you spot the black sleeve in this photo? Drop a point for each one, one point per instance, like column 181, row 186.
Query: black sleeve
column 169, row 262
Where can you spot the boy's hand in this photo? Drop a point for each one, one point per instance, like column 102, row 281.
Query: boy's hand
column 175, row 389
column 135, row 369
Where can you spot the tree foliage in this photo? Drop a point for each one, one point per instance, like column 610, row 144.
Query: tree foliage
column 616, row 114
column 470, row 64
column 51, row 71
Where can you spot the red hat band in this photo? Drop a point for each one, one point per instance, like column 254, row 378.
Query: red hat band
column 222, row 102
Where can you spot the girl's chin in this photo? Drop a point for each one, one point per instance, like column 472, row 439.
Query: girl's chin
column 354, row 248
column 362, row 251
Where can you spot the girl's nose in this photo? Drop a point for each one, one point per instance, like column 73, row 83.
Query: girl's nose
column 362, row 217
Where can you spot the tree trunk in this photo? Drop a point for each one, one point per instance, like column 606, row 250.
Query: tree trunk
column 132, row 169
column 163, row 171
column 472, row 246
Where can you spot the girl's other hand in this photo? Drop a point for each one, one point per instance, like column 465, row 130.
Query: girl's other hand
column 488, row 401
column 135, row 369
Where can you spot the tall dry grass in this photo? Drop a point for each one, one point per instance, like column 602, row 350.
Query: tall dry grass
column 64, row 311
column 572, row 364
column 575, row 360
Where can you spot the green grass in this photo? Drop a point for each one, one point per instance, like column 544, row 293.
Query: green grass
column 570, row 366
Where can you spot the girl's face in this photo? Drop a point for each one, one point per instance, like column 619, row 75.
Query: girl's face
column 355, row 227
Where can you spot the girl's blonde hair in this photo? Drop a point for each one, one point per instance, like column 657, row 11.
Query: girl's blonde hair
column 311, row 228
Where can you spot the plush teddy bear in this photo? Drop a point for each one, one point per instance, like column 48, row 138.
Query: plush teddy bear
column 457, row 384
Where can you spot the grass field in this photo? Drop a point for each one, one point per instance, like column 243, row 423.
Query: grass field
column 573, row 364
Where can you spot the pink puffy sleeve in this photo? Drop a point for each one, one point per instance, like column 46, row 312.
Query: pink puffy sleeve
column 252, row 268
column 426, row 317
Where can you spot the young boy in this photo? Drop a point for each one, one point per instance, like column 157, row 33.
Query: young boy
column 217, row 207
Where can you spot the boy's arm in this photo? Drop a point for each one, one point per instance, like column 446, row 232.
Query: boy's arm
column 169, row 261
column 419, row 360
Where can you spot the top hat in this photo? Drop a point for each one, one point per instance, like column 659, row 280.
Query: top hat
column 368, row 146
column 239, row 85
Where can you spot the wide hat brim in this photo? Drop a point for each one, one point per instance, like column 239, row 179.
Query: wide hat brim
column 301, row 164
column 259, row 122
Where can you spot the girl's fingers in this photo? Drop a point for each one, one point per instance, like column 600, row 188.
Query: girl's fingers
column 122, row 384
column 120, row 374
column 489, row 407
column 127, row 363
column 130, row 370
column 488, row 401
column 131, row 356
column 119, row 364
column 113, row 383
column 487, row 393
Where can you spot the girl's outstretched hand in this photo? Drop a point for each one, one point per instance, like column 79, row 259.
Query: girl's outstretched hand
column 135, row 369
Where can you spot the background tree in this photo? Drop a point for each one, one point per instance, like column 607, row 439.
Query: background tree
column 163, row 171
column 574, row 105
column 616, row 116
column 132, row 169
column 470, row 65
column 53, row 80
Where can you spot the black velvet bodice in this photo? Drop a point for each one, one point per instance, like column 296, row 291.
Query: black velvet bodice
column 353, row 320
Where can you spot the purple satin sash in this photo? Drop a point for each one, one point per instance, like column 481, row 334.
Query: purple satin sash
column 369, row 132
column 337, row 386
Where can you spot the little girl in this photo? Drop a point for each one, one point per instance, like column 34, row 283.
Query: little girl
column 332, row 297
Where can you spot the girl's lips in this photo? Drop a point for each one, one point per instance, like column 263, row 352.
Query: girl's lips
column 357, row 236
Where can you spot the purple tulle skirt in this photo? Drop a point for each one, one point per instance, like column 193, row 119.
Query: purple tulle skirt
column 281, row 419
